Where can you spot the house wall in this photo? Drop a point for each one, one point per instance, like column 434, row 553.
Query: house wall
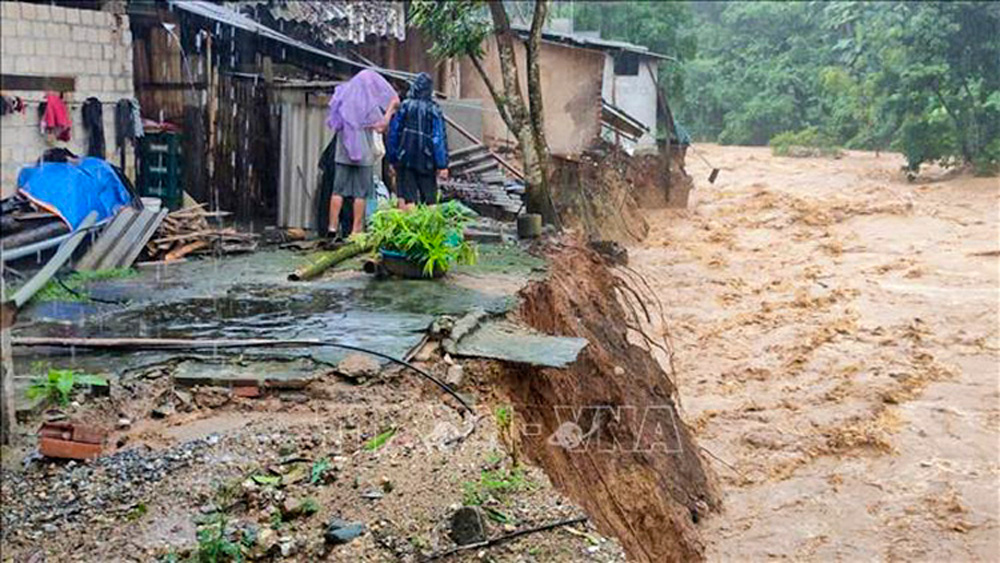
column 636, row 95
column 571, row 94
column 41, row 40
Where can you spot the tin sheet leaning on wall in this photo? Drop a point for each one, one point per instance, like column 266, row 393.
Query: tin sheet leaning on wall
column 304, row 135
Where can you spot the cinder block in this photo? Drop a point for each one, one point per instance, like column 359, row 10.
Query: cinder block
column 11, row 11
column 73, row 15
column 87, row 17
column 108, row 52
column 42, row 46
column 125, row 87
column 23, row 28
column 56, row 48
column 78, row 33
column 29, row 11
column 42, row 12
column 108, row 84
column 52, row 65
column 58, row 14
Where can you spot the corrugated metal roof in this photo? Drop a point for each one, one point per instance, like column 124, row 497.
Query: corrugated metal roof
column 222, row 14
column 617, row 118
column 591, row 42
column 327, row 22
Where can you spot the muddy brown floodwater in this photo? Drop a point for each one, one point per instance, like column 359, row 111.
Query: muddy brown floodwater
column 836, row 332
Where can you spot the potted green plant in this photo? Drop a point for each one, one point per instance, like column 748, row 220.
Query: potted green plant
column 423, row 242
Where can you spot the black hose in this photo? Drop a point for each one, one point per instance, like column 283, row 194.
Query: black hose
column 87, row 297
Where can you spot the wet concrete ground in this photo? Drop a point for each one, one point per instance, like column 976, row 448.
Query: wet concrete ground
column 249, row 296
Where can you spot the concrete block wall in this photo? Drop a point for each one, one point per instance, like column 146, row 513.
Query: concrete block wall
column 93, row 46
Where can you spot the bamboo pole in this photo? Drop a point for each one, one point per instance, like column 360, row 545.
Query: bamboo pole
column 326, row 260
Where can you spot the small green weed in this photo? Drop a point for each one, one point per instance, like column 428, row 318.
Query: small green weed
column 380, row 440
column 504, row 415
column 319, row 469
column 57, row 386
column 310, row 506
column 497, row 484
column 75, row 282
column 137, row 512
column 214, row 545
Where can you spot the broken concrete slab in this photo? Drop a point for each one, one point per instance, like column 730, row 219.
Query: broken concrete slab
column 506, row 340
column 358, row 367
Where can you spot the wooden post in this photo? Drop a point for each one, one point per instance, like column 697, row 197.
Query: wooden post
column 8, row 419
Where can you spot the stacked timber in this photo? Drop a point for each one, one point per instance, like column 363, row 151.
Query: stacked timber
column 188, row 231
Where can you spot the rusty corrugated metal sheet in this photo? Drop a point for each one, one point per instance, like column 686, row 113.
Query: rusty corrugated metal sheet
column 304, row 135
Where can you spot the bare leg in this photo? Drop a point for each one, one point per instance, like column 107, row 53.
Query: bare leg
column 359, row 215
column 336, row 202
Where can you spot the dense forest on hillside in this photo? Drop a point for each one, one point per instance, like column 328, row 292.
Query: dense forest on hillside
column 922, row 78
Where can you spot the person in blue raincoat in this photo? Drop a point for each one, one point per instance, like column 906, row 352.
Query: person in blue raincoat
column 418, row 145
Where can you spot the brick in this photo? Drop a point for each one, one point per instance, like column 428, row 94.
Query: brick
column 42, row 47
column 29, row 11
column 23, row 28
column 87, row 17
column 53, row 447
column 78, row 33
column 43, row 12
column 248, row 391
column 58, row 14
column 88, row 434
column 72, row 15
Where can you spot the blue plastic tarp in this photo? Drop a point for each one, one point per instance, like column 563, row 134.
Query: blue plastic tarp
column 72, row 191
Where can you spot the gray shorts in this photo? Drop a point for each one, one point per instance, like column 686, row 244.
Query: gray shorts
column 353, row 181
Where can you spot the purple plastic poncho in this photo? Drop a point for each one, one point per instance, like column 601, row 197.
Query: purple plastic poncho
column 359, row 104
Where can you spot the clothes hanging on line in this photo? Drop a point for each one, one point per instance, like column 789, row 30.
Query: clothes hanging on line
column 55, row 117
column 128, row 121
column 11, row 104
column 93, row 122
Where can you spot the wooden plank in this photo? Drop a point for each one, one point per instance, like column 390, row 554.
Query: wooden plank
column 39, row 83
column 125, row 242
column 143, row 238
column 107, row 239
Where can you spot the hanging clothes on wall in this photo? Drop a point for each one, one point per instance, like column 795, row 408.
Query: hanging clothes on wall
column 55, row 117
column 128, row 125
column 93, row 122
column 11, row 104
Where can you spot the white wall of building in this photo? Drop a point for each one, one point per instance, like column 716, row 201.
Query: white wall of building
column 94, row 47
column 635, row 95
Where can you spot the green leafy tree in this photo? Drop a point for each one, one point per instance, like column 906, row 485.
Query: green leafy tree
column 459, row 28
column 920, row 77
